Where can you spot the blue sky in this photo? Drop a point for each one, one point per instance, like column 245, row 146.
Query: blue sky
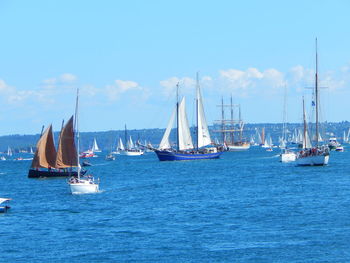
column 127, row 56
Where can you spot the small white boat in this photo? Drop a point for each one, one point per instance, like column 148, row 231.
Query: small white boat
column 110, row 157
column 3, row 209
column 133, row 152
column 339, row 149
column 83, row 185
column 80, row 184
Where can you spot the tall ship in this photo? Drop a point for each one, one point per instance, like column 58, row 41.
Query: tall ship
column 185, row 149
column 313, row 153
column 232, row 129
column 47, row 162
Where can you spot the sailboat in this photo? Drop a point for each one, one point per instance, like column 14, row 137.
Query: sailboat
column 184, row 148
column 49, row 163
column 9, row 151
column 95, row 148
column 286, row 154
column 316, row 155
column 131, row 149
column 4, row 208
column 80, row 184
column 232, row 130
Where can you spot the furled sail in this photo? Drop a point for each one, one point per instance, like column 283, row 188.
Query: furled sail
column 67, row 153
column 203, row 131
column 165, row 143
column 185, row 139
column 45, row 155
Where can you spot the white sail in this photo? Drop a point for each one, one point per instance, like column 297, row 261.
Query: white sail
column 121, row 145
column 202, row 129
column 9, row 151
column 165, row 143
column 306, row 141
column 185, row 139
column 130, row 144
column 95, row 146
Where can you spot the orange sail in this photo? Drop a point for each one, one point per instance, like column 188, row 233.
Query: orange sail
column 67, row 153
column 45, row 154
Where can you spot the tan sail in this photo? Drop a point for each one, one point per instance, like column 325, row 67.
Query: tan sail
column 67, row 153
column 45, row 155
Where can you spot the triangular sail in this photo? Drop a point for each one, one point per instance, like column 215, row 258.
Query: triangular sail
column 202, row 129
column 45, row 155
column 95, row 146
column 185, row 139
column 130, row 144
column 306, row 141
column 121, row 145
column 165, row 143
column 67, row 153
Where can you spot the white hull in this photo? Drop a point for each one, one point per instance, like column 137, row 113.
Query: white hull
column 288, row 157
column 84, row 187
column 313, row 160
column 130, row 153
column 236, row 148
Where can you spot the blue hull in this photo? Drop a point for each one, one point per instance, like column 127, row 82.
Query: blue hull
column 175, row 156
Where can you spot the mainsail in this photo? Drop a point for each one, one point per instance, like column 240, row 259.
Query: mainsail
column 165, row 143
column 185, row 139
column 45, row 155
column 202, row 129
column 67, row 153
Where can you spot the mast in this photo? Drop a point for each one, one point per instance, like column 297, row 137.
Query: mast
column 223, row 120
column 197, row 111
column 240, row 122
column 316, row 94
column 177, row 117
column 126, row 138
column 77, row 130
column 232, row 123
column 304, row 118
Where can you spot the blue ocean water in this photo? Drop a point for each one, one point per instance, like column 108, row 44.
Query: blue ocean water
column 244, row 207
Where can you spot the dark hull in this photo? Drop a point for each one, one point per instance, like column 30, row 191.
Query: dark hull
column 176, row 156
column 51, row 174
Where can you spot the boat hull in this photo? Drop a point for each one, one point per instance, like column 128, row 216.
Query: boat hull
column 314, row 160
column 133, row 153
column 288, row 157
column 51, row 174
column 3, row 209
column 84, row 188
column 237, row 148
column 175, row 156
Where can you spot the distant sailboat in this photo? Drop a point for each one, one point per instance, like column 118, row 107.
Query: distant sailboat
column 95, row 147
column 232, row 130
column 286, row 154
column 130, row 149
column 9, row 151
column 185, row 149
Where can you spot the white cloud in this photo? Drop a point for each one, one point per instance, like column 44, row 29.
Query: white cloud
column 119, row 87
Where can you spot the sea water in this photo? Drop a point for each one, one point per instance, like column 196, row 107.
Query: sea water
column 244, row 207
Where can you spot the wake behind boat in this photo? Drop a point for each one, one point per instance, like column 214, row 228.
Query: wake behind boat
column 184, row 148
